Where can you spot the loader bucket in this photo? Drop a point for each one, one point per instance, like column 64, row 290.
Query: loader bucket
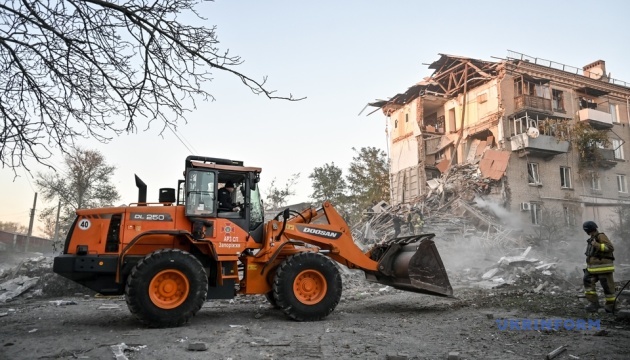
column 411, row 263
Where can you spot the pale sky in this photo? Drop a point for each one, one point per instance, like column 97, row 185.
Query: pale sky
column 340, row 55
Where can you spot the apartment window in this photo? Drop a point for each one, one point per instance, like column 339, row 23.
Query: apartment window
column 535, row 210
column 618, row 147
column 613, row 112
column 569, row 219
column 565, row 177
column 482, row 98
column 525, row 87
column 406, row 118
column 532, row 174
column 595, row 184
column 557, row 100
column 440, row 155
column 395, row 124
column 622, row 186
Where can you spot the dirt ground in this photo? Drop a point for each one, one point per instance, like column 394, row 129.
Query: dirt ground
column 387, row 324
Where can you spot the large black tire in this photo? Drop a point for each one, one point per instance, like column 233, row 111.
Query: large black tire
column 272, row 300
column 307, row 286
column 183, row 277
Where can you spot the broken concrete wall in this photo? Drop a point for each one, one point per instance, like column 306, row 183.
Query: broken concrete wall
column 406, row 149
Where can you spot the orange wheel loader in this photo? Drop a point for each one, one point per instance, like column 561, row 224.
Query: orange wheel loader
column 168, row 257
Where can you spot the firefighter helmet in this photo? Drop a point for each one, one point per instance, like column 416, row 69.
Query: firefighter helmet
column 589, row 226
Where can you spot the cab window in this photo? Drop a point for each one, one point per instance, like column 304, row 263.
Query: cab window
column 200, row 193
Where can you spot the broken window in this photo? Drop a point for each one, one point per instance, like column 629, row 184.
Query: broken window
column 587, row 103
column 618, row 148
column 613, row 112
column 440, row 155
column 532, row 174
column 557, row 100
column 535, row 211
column 622, row 187
column 431, row 120
column 595, row 184
column 565, row 177
column 526, row 87
column 569, row 218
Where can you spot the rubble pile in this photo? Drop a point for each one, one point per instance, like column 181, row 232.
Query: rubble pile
column 34, row 277
column 452, row 208
column 522, row 271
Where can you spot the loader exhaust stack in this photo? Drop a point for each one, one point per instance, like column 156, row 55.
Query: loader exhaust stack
column 411, row 263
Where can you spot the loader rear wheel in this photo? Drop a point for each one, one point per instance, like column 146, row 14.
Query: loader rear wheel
column 166, row 288
column 307, row 286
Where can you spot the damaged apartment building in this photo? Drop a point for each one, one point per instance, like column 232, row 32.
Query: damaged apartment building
column 526, row 122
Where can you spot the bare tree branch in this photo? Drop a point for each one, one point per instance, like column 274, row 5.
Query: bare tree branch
column 97, row 68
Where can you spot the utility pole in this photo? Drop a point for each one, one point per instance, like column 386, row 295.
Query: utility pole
column 57, row 224
column 30, row 224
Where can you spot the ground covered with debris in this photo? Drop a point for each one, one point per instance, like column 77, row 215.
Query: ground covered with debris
column 511, row 318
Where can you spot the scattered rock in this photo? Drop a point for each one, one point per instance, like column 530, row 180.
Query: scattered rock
column 109, row 307
column 197, row 346
column 453, row 355
column 62, row 302
column 16, row 287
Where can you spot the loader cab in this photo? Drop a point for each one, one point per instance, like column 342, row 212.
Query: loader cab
column 204, row 177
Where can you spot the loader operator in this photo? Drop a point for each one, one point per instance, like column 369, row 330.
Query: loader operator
column 599, row 267
column 225, row 197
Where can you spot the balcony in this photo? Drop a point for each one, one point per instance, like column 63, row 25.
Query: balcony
column 598, row 119
column 603, row 158
column 529, row 102
column 543, row 146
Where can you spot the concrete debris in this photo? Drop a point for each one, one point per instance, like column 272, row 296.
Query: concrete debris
column 453, row 355
column 119, row 350
column 32, row 331
column 397, row 356
column 197, row 346
column 556, row 352
column 546, row 272
column 109, row 307
column 45, row 284
column 16, row 287
column 602, row 332
column 490, row 273
column 574, row 357
column 3, row 314
column 62, row 302
column 540, row 287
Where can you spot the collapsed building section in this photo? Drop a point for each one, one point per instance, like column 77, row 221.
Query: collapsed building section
column 523, row 121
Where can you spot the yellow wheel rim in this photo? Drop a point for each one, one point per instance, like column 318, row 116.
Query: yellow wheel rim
column 310, row 287
column 169, row 289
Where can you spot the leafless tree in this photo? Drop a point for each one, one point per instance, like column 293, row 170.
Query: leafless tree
column 83, row 182
column 13, row 227
column 96, row 68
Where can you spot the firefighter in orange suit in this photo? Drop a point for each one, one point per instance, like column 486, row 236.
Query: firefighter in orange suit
column 599, row 267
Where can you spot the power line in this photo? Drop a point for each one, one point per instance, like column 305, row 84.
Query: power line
column 180, row 140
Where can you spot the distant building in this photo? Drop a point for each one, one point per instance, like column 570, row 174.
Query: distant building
column 522, row 107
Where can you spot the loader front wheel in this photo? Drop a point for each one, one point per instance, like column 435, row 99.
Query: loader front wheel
column 166, row 288
column 272, row 300
column 307, row 286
